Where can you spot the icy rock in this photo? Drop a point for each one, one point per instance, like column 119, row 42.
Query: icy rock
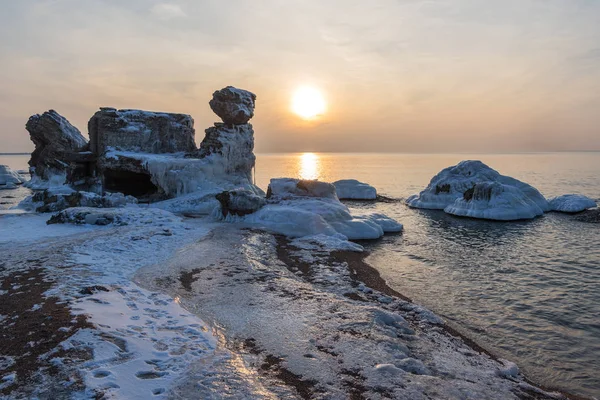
column 9, row 178
column 452, row 182
column 495, row 201
column 289, row 188
column 56, row 200
column 571, row 203
column 56, row 141
column 508, row 369
column 114, row 216
column 351, row 189
column 141, row 131
column 239, row 202
column 234, row 106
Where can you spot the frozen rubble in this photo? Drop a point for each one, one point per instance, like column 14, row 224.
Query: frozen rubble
column 351, row 189
column 571, row 203
column 495, row 201
column 9, row 179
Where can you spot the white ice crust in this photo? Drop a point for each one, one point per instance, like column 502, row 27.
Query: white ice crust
column 496, row 201
column 311, row 208
column 571, row 203
column 9, row 179
column 451, row 183
column 352, row 189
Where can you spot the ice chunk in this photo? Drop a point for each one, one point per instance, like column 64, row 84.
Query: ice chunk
column 452, row 182
column 8, row 177
column 495, row 201
column 352, row 189
column 286, row 188
column 571, row 203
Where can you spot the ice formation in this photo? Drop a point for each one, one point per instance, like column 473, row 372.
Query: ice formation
column 452, row 182
column 306, row 208
column 495, row 201
column 352, row 189
column 9, row 179
column 571, row 203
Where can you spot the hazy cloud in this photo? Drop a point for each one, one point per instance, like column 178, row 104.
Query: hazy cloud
column 167, row 11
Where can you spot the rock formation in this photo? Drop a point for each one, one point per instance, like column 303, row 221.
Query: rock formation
column 57, row 145
column 451, row 184
column 233, row 106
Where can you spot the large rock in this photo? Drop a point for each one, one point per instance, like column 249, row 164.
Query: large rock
column 239, row 202
column 351, row 189
column 234, row 106
column 452, row 183
column 141, row 131
column 56, row 200
column 495, row 201
column 287, row 188
column 56, row 141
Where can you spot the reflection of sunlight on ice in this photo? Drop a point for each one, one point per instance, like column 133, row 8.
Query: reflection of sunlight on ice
column 309, row 166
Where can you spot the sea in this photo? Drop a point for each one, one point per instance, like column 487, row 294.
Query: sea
column 527, row 291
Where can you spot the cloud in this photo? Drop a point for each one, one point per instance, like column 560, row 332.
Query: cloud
column 167, row 11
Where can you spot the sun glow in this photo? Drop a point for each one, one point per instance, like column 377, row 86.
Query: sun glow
column 309, row 166
column 308, row 103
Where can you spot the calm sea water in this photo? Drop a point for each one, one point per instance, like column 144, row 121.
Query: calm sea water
column 527, row 291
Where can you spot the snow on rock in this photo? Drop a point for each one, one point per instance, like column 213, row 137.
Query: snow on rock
column 495, row 201
column 234, row 106
column 239, row 202
column 352, row 189
column 452, row 182
column 286, row 188
column 304, row 208
column 571, row 203
column 115, row 216
column 9, row 179
column 56, row 140
column 62, row 197
column 141, row 131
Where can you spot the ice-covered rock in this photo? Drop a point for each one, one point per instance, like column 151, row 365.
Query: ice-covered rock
column 234, row 106
column 452, row 182
column 9, row 179
column 351, row 189
column 141, row 131
column 114, row 216
column 571, row 203
column 60, row 198
column 495, row 201
column 286, row 188
column 239, row 202
column 56, row 141
column 301, row 208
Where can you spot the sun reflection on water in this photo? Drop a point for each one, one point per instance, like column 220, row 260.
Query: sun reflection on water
column 309, row 166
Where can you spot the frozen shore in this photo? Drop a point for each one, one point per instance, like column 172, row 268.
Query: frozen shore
column 219, row 312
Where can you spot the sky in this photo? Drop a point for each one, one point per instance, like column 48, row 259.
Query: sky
column 397, row 75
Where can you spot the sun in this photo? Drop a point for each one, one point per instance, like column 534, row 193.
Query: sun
column 308, row 102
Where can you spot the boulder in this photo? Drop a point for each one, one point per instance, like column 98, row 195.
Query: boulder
column 495, row 201
column 452, row 182
column 351, row 189
column 141, row 131
column 239, row 202
column 57, row 200
column 234, row 106
column 571, row 203
column 9, row 178
column 285, row 188
column 56, row 140
column 591, row 216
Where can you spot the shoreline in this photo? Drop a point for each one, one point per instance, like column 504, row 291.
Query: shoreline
column 370, row 276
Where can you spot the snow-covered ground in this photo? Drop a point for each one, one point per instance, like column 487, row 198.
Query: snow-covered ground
column 182, row 308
